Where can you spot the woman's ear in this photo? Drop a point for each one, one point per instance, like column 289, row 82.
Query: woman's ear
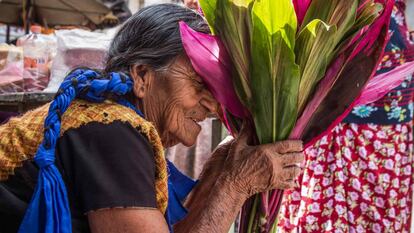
column 141, row 76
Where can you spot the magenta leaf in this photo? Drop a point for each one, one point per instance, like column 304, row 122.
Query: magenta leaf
column 381, row 84
column 321, row 92
column 211, row 61
column 301, row 7
column 375, row 29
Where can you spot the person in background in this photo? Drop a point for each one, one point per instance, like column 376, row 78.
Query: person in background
column 119, row 9
column 193, row 4
column 410, row 15
column 359, row 177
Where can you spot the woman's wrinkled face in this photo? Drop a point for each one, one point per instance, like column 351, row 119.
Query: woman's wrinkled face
column 176, row 100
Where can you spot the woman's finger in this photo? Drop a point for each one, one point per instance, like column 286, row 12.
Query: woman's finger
column 243, row 138
column 286, row 185
column 292, row 159
column 283, row 147
column 291, row 173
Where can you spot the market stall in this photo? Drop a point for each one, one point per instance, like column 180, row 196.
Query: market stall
column 26, row 69
column 35, row 68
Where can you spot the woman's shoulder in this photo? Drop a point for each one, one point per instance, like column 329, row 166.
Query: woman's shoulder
column 114, row 134
column 81, row 112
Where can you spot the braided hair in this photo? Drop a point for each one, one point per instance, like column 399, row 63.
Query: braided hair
column 149, row 37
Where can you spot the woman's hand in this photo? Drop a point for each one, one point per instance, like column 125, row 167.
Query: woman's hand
column 212, row 169
column 235, row 172
column 254, row 169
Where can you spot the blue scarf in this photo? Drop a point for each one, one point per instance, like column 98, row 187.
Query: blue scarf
column 48, row 211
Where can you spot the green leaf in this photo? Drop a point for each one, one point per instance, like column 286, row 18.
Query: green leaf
column 313, row 48
column 350, row 80
column 368, row 14
column 274, row 74
column 277, row 67
column 325, row 25
column 233, row 25
column 339, row 13
column 276, row 16
column 209, row 10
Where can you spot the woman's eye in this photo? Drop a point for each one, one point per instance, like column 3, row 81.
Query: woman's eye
column 199, row 84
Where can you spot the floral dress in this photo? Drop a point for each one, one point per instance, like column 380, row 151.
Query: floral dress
column 359, row 177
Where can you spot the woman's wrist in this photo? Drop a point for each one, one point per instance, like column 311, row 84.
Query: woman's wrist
column 233, row 189
column 224, row 203
column 220, row 198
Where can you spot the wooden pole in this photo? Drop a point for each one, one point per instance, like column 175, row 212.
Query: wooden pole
column 7, row 34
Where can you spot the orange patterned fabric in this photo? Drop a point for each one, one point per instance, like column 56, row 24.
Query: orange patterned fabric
column 20, row 137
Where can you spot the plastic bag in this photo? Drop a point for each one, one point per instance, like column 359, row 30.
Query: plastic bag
column 38, row 51
column 77, row 48
column 11, row 69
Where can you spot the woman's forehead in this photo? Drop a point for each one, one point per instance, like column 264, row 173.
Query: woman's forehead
column 183, row 66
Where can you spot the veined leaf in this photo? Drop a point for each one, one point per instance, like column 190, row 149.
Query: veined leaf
column 276, row 16
column 367, row 14
column 265, row 45
column 301, row 7
column 323, row 29
column 233, row 26
column 274, row 74
column 383, row 83
column 340, row 13
column 313, row 49
column 344, row 81
column 210, row 60
column 348, row 85
column 209, row 10
column 375, row 29
column 242, row 3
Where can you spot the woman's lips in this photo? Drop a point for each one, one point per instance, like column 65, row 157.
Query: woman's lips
column 197, row 119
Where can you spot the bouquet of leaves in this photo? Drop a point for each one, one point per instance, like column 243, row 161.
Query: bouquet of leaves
column 294, row 68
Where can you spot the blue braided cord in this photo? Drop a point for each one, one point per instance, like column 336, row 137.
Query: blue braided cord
column 49, row 210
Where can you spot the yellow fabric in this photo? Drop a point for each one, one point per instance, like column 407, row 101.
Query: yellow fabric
column 20, row 137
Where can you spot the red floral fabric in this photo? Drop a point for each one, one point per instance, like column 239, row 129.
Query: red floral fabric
column 358, row 178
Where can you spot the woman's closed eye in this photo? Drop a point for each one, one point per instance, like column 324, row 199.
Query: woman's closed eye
column 198, row 83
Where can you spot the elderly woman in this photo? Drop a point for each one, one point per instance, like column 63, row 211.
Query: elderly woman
column 109, row 130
